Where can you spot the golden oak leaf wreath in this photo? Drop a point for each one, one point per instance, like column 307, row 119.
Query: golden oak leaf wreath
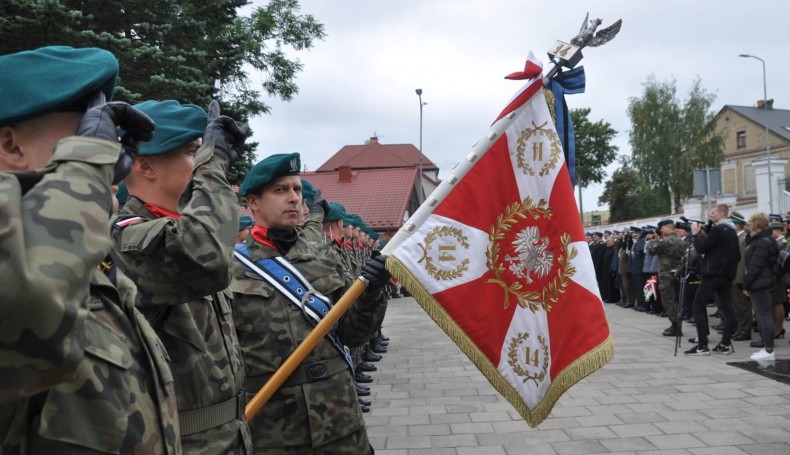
column 550, row 294
column 526, row 135
column 512, row 359
column 432, row 236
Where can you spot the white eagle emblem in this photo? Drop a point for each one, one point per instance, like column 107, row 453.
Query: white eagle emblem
column 532, row 256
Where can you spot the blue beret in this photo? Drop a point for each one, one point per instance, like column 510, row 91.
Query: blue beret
column 774, row 217
column 607, row 232
column 53, row 79
column 308, row 192
column 123, row 193
column 245, row 221
column 336, row 212
column 650, row 227
column 268, row 169
column 616, row 232
column 176, row 125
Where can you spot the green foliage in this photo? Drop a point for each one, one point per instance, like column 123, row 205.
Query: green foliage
column 187, row 50
column 670, row 139
column 594, row 150
column 629, row 197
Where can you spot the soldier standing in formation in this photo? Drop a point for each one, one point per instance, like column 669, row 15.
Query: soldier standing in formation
column 174, row 238
column 669, row 250
column 316, row 409
column 82, row 371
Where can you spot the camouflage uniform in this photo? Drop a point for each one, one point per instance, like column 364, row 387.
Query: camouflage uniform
column 669, row 250
column 321, row 417
column 182, row 269
column 82, row 371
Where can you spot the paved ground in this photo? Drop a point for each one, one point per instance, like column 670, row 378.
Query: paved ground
column 428, row 398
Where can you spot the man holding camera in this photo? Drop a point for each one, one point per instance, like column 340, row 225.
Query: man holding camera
column 718, row 246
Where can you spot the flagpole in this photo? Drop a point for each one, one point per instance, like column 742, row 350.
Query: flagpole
column 303, row 350
column 423, row 212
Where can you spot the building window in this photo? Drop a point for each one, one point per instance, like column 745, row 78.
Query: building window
column 740, row 136
column 749, row 187
column 596, row 220
column 728, row 180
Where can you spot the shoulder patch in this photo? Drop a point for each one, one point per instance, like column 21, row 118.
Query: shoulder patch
column 122, row 223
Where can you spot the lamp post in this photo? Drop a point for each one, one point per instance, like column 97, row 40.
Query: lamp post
column 767, row 144
column 420, row 195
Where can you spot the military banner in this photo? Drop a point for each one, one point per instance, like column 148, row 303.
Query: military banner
column 497, row 257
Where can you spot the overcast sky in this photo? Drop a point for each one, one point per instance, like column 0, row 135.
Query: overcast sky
column 362, row 78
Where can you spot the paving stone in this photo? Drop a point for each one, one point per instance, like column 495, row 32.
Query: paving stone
column 675, row 441
column 627, row 444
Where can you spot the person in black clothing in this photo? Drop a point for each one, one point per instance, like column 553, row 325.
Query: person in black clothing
column 759, row 280
column 635, row 268
column 608, row 290
column 718, row 263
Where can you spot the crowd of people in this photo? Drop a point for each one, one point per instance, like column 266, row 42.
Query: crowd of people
column 677, row 269
column 147, row 327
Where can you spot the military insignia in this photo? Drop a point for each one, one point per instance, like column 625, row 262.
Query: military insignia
column 533, row 269
column 529, row 360
column 128, row 221
column 447, row 240
column 294, row 165
column 545, row 148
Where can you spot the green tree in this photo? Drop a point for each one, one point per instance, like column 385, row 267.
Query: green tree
column 670, row 139
column 629, row 196
column 594, row 150
column 187, row 50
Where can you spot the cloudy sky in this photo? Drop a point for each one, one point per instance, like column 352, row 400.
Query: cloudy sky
column 362, row 78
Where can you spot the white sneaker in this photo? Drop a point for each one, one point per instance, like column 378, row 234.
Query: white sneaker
column 763, row 355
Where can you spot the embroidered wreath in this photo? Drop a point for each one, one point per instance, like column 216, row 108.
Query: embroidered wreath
column 432, row 236
column 550, row 294
column 512, row 359
column 526, row 135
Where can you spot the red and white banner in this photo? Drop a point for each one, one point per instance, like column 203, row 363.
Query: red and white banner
column 497, row 257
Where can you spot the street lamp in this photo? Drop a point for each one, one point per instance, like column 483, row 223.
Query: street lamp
column 420, row 197
column 767, row 145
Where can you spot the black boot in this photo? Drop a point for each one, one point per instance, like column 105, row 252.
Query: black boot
column 362, row 391
column 362, row 378
column 363, row 402
column 367, row 367
column 673, row 330
column 368, row 356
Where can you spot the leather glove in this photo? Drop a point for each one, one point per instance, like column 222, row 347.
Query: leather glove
column 102, row 121
column 319, row 204
column 375, row 272
column 228, row 136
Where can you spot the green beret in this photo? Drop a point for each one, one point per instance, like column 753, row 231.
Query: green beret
column 123, row 193
column 245, row 221
column 665, row 221
column 775, row 225
column 737, row 218
column 53, row 79
column 308, row 192
column 176, row 125
column 336, row 212
column 268, row 169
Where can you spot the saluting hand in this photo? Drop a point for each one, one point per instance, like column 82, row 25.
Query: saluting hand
column 102, row 121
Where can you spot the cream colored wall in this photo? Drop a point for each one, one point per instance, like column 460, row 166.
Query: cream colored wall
column 728, row 124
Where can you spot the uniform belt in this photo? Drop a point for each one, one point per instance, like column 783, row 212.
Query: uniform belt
column 202, row 419
column 306, row 373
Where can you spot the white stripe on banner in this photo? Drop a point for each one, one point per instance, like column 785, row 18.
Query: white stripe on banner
column 528, row 333
column 535, row 151
column 416, row 251
column 585, row 274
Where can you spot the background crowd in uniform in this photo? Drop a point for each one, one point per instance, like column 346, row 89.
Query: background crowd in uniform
column 628, row 276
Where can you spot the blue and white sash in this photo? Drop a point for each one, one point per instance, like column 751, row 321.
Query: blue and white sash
column 289, row 282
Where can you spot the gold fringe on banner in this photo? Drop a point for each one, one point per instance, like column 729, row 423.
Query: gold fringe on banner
column 573, row 373
column 550, row 101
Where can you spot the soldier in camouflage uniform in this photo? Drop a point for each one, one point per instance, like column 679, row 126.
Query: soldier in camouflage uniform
column 669, row 249
column 82, row 371
column 316, row 410
column 174, row 238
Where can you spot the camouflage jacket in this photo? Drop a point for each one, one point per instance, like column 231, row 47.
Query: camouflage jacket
column 104, row 383
column 669, row 250
column 182, row 269
column 270, row 328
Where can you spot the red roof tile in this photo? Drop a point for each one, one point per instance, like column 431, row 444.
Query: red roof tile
column 377, row 156
column 379, row 196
